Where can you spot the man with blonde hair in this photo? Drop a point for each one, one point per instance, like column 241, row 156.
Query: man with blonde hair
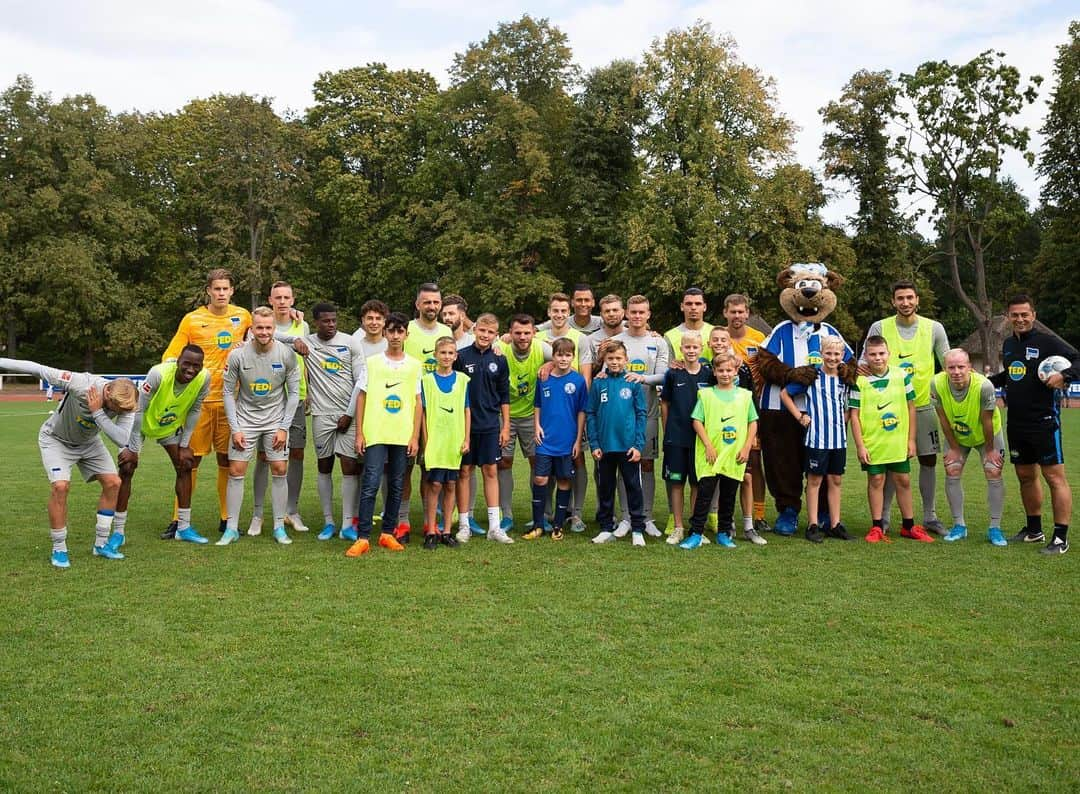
column 71, row 437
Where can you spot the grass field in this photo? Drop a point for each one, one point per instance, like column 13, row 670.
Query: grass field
column 535, row 666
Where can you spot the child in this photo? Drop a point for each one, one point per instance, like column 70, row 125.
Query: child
column 720, row 344
column 725, row 422
column 616, row 423
column 826, row 436
column 559, row 421
column 445, row 429
column 882, row 414
column 677, row 400
column 388, row 415
column 489, row 401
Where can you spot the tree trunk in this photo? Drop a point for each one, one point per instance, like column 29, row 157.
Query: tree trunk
column 12, row 337
column 88, row 359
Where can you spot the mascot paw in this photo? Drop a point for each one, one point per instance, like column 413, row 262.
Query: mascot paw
column 804, row 376
column 848, row 372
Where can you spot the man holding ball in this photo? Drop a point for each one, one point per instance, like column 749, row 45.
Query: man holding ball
column 1033, row 424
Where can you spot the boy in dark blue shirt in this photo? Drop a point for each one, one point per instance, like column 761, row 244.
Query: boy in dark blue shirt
column 489, row 401
column 616, row 424
column 678, row 397
column 559, row 423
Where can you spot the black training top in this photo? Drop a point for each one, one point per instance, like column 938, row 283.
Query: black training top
column 489, row 386
column 1031, row 403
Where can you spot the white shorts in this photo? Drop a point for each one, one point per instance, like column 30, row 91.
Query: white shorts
column 328, row 441
column 927, row 432
column 523, row 431
column 258, row 441
column 58, row 458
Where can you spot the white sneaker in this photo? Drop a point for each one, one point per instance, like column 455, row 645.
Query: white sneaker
column 463, row 535
column 677, row 536
column 255, row 527
column 753, row 536
column 297, row 523
column 623, row 529
column 639, row 539
column 652, row 530
column 499, row 536
column 604, row 537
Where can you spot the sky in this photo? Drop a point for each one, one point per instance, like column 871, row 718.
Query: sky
column 152, row 56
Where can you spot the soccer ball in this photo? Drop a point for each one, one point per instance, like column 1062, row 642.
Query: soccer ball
column 1051, row 364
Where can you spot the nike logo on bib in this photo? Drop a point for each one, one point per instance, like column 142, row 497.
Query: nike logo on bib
column 428, row 352
column 392, row 385
column 883, row 407
column 727, row 418
column 906, row 355
column 448, row 410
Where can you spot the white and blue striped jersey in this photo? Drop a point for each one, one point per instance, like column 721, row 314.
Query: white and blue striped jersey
column 826, row 404
column 796, row 345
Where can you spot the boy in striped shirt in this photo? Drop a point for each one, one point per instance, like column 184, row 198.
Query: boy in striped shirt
column 825, row 422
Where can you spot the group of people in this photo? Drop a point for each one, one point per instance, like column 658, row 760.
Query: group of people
column 458, row 398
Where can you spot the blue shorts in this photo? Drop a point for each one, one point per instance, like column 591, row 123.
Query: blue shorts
column 441, row 475
column 561, row 467
column 484, row 449
column 824, row 461
column 679, row 464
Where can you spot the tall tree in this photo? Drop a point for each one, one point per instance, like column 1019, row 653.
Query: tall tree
column 1054, row 273
column 856, row 149
column 712, row 134
column 958, row 125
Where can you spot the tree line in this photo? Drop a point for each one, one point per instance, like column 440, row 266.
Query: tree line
column 524, row 175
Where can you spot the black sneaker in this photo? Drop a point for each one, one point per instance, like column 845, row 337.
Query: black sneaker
column 170, row 531
column 431, row 541
column 814, row 534
column 1056, row 546
column 1026, row 535
column 448, row 539
column 839, row 532
column 222, row 526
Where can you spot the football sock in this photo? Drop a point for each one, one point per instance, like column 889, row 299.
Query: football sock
column 928, row 491
column 279, row 497
column 1034, row 524
column 235, row 496
column 325, row 485
column 759, row 511
column 908, row 523
column 878, row 523
column 648, row 492
column 463, row 519
column 222, row 491
column 1061, row 531
column 562, row 507
column 183, row 518
column 539, row 502
column 59, row 539
column 103, row 526
column 493, row 518
column 295, row 475
column 119, row 520
column 748, row 523
column 259, row 480
column 954, row 490
column 506, row 492
column 580, row 486
column 350, row 484
column 995, row 499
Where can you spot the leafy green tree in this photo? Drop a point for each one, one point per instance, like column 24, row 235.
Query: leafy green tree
column 1053, row 276
column 242, row 188
column 856, row 149
column 957, row 128
column 711, row 137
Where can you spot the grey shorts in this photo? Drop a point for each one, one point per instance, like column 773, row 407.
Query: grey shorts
column 652, row 438
column 298, row 428
column 523, row 431
column 927, row 432
column 58, row 458
column 258, row 441
column 328, row 441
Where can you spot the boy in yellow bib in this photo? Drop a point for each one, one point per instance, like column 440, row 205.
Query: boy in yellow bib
column 445, row 434
column 882, row 414
column 725, row 422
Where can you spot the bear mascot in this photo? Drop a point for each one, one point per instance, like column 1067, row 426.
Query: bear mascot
column 791, row 354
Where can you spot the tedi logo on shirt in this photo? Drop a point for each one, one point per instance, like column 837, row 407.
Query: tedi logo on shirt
column 224, row 340
column 392, row 404
column 261, row 387
column 1017, row 370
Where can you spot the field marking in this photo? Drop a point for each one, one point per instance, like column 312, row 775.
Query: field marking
column 31, row 413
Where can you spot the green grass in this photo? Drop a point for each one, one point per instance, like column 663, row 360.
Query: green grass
column 535, row 666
